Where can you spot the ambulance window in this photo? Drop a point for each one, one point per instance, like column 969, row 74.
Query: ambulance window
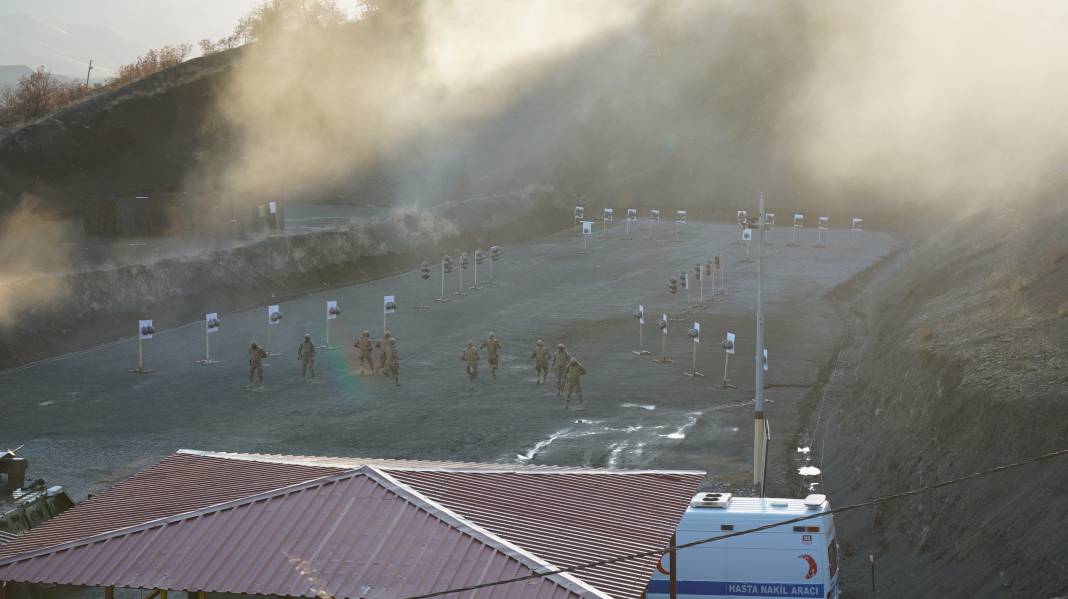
column 832, row 556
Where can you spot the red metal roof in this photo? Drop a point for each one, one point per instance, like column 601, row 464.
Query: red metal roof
column 347, row 535
column 570, row 518
column 535, row 517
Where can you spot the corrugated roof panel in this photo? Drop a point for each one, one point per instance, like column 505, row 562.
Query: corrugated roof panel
column 388, row 534
column 535, row 515
column 179, row 483
column 569, row 518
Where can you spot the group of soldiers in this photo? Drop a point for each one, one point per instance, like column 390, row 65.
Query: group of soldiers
column 568, row 369
column 305, row 355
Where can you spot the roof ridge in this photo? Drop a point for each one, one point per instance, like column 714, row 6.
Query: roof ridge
column 473, row 467
column 164, row 520
column 470, row 528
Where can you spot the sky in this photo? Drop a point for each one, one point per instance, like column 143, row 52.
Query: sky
column 113, row 31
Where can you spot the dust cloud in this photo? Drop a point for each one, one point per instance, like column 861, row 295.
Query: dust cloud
column 953, row 101
column 313, row 110
column 34, row 250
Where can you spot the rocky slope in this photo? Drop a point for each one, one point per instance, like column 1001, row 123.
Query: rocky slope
column 954, row 362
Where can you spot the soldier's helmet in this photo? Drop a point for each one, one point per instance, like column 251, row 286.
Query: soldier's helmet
column 387, row 335
column 365, row 333
column 392, row 341
column 491, row 335
column 307, row 336
column 561, row 346
column 254, row 344
column 470, row 342
column 574, row 361
column 540, row 342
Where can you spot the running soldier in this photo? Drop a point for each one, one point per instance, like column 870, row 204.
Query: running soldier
column 560, row 361
column 393, row 362
column 306, row 355
column 383, row 348
column 541, row 361
column 471, row 357
column 491, row 345
column 365, row 347
column 574, row 385
column 255, row 362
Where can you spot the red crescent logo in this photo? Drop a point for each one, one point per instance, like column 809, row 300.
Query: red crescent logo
column 811, row 565
column 660, row 566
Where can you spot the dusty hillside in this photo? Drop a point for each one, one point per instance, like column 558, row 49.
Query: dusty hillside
column 955, row 362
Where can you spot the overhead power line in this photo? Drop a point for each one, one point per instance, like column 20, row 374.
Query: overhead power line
column 669, row 548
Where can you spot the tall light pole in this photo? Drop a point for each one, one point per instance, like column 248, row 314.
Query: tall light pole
column 758, row 415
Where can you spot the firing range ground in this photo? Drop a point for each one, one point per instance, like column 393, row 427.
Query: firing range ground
column 87, row 423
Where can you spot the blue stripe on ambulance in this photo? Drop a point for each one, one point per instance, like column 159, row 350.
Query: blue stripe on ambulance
column 737, row 589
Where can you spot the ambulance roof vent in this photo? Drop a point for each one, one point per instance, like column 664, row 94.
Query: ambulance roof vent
column 814, row 501
column 718, row 500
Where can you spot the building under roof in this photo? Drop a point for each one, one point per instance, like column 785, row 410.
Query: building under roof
column 299, row 526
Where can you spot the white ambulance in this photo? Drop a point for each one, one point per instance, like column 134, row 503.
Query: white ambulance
column 792, row 560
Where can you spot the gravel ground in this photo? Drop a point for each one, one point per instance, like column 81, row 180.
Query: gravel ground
column 86, row 422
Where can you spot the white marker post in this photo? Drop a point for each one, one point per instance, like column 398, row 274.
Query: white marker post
column 580, row 213
column 747, row 237
column 587, row 231
column 710, row 272
column 697, row 268
column 332, row 312
column 632, row 217
column 145, row 330
column 274, row 317
column 389, row 306
column 680, row 219
column 211, row 326
column 769, row 222
column 742, row 218
column 607, row 218
column 663, row 324
column 799, row 222
column 479, row 257
column 640, row 315
column 824, row 224
column 424, row 273
column 495, row 255
column 728, row 350
column 446, row 268
column 464, row 261
column 695, row 334
column 857, row 224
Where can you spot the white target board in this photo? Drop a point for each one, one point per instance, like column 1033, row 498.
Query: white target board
column 858, row 223
column 664, row 321
column 609, row 214
column 824, row 222
column 211, row 322
column 654, row 215
column 580, row 212
column 272, row 207
column 769, row 218
column 632, row 214
column 332, row 310
column 641, row 314
column 799, row 220
column 587, row 227
column 389, row 304
column 747, row 234
column 697, row 327
column 743, row 216
column 765, row 359
column 728, row 344
column 145, row 330
column 274, row 315
column 680, row 216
